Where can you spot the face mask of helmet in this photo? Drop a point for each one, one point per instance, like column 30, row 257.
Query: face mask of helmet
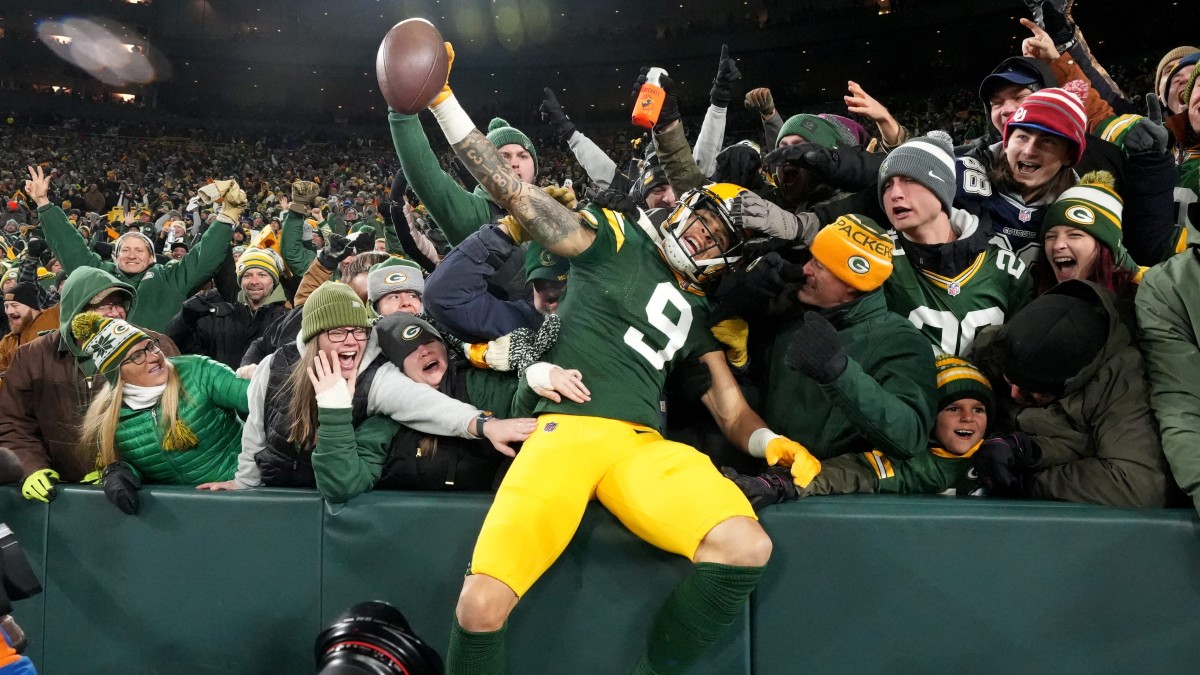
column 374, row 638
column 716, row 199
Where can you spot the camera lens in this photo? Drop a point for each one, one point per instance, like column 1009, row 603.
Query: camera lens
column 374, row 638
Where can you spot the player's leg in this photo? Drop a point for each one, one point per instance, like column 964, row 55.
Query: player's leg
column 536, row 512
column 672, row 496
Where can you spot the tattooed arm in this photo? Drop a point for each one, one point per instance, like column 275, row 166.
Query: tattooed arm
column 558, row 228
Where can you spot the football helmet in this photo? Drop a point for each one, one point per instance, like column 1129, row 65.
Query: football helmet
column 680, row 238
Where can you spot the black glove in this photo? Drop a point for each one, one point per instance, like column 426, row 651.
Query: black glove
column 748, row 292
column 35, row 248
column 670, row 107
column 1056, row 19
column 198, row 306
column 727, row 73
column 816, row 351
column 773, row 486
column 337, row 248
column 552, row 114
column 1148, row 136
column 399, row 186
column 1005, row 464
column 121, row 485
column 620, row 202
column 738, row 164
column 691, row 378
column 821, row 160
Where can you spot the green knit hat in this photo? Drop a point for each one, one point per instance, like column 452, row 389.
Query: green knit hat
column 1094, row 207
column 542, row 264
column 958, row 379
column 815, row 129
column 259, row 258
column 107, row 341
column 501, row 134
column 332, row 305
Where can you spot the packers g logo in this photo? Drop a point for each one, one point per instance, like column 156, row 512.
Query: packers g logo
column 547, row 259
column 1081, row 214
column 121, row 328
column 858, row 264
column 410, row 333
column 395, row 278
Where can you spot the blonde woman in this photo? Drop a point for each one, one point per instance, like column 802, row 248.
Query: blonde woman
column 172, row 421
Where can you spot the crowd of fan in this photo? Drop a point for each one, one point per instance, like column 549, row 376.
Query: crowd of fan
column 234, row 310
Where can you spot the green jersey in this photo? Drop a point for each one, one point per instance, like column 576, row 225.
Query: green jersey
column 928, row 473
column 626, row 320
column 950, row 311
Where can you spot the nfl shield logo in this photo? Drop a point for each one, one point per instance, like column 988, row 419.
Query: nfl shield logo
column 1025, row 215
column 953, row 289
column 550, row 426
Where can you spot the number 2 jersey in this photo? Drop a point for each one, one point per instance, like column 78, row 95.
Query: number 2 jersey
column 625, row 322
column 951, row 308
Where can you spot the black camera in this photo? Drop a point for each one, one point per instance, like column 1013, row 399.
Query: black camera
column 374, row 638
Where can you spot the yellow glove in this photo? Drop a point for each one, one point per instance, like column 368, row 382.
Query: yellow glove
column 513, row 226
column 563, row 195
column 476, row 353
column 787, row 452
column 40, row 485
column 446, row 93
column 733, row 333
column 233, row 200
column 92, row 478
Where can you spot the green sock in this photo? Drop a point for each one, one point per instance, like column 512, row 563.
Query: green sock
column 475, row 653
column 696, row 614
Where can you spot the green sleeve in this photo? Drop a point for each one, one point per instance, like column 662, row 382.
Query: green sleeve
column 226, row 389
column 525, row 399
column 842, row 475
column 68, row 245
column 892, row 407
column 457, row 212
column 676, row 157
column 924, row 474
column 203, row 261
column 347, row 461
column 291, row 245
column 394, row 247
column 1168, row 343
column 494, row 391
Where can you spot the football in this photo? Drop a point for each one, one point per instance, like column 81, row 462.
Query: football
column 411, row 65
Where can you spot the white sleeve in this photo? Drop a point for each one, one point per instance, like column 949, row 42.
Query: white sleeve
column 708, row 143
column 598, row 165
column 418, row 406
column 254, row 431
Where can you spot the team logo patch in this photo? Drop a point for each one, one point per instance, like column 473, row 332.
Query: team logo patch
column 1019, row 116
column 121, row 328
column 954, row 289
column 1081, row 214
column 547, row 259
column 410, row 333
column 550, row 426
column 1025, row 215
column 858, row 264
column 395, row 278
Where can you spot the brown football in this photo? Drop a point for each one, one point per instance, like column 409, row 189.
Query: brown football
column 411, row 65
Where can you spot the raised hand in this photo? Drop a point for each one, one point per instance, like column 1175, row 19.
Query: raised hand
column 38, row 186
column 1040, row 45
column 727, row 74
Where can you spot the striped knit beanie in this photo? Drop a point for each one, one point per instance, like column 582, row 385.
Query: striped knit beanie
column 957, row 379
column 1170, row 59
column 394, row 275
column 928, row 160
column 817, row 129
column 856, row 250
column 1054, row 111
column 500, row 133
column 107, row 341
column 1094, row 207
column 258, row 258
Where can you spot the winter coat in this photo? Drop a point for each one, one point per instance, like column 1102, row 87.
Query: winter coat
column 46, row 321
column 883, row 400
column 1099, row 441
column 210, row 402
column 1168, row 316
column 50, row 383
column 161, row 288
column 223, row 331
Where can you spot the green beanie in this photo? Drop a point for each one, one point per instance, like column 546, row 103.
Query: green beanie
column 958, row 379
column 501, row 134
column 332, row 305
column 814, row 129
column 1094, row 207
column 542, row 264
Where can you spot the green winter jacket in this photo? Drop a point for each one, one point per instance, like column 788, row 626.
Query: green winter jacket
column 1100, row 443
column 883, row 400
column 1169, row 327
column 348, row 461
column 295, row 254
column 213, row 397
column 161, row 289
column 458, row 213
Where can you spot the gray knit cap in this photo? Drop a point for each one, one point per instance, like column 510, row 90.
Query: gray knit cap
column 928, row 160
column 392, row 275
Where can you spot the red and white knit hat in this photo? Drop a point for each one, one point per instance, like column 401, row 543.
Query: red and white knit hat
column 1055, row 111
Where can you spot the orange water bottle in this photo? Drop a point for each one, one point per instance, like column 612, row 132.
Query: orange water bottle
column 650, row 99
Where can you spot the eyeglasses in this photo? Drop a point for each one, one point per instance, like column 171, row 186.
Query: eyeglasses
column 340, row 334
column 107, row 305
column 139, row 357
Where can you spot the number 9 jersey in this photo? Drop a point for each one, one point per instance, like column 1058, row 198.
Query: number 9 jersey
column 626, row 320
